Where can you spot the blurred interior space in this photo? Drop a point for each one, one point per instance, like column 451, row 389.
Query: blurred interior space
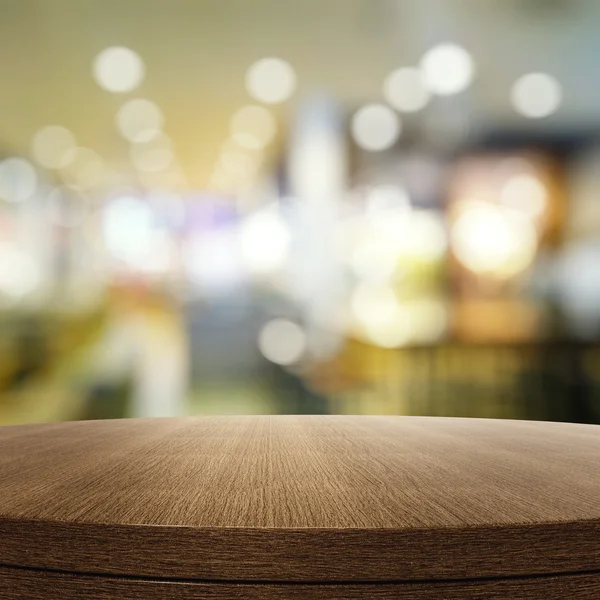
column 275, row 206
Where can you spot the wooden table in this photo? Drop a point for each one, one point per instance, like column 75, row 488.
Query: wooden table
column 327, row 508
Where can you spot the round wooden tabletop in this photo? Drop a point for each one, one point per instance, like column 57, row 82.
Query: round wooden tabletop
column 302, row 499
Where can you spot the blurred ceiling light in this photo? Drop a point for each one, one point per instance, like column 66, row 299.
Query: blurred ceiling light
column 375, row 127
column 536, row 95
column 405, row 91
column 139, row 120
column 52, row 145
column 271, row 80
column 490, row 239
column 447, row 69
column 265, row 241
column 254, row 123
column 118, row 70
column 387, row 197
column 18, row 179
column 64, row 207
column 154, row 155
column 84, row 167
column 19, row 273
column 525, row 193
column 281, row 341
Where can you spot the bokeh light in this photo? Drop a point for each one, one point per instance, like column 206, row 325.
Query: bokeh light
column 281, row 341
column 139, row 120
column 387, row 197
column 118, row 69
column 238, row 163
column 271, row 80
column 447, row 69
column 375, row 260
column 536, row 95
column 154, row 155
column 52, row 145
column 131, row 236
column 19, row 273
column 375, row 127
column 84, row 168
column 405, row 91
column 526, row 193
column 380, row 315
column 265, row 241
column 253, row 126
column 491, row 240
column 220, row 274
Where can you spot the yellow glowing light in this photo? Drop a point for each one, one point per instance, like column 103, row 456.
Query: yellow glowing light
column 536, row 95
column 282, row 342
column 375, row 127
column 254, row 123
column 52, row 145
column 447, row 69
column 490, row 239
column 271, row 80
column 405, row 91
column 139, row 120
column 118, row 70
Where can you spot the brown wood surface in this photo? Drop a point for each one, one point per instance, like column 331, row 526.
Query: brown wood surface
column 37, row 585
column 347, row 499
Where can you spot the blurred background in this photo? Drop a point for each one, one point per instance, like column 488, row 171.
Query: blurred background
column 268, row 206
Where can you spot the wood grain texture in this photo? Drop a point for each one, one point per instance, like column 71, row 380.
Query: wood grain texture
column 318, row 499
column 37, row 585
